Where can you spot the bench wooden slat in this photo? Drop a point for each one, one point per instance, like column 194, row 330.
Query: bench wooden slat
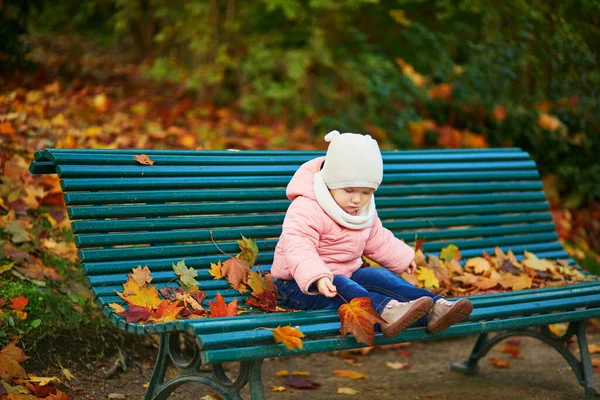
column 552, row 250
column 155, row 224
column 409, row 335
column 74, row 184
column 155, row 210
column 191, row 250
column 74, row 156
column 253, row 337
column 176, row 236
column 161, row 196
column 118, row 171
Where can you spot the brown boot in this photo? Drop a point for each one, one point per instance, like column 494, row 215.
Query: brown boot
column 399, row 316
column 445, row 313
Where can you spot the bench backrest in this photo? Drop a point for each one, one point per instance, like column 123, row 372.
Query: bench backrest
column 125, row 214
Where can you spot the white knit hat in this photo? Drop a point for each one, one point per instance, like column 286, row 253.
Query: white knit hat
column 352, row 160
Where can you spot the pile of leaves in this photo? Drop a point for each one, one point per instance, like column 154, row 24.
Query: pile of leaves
column 15, row 383
column 451, row 276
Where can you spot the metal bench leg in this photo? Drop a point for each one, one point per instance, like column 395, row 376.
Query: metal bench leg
column 582, row 367
column 189, row 371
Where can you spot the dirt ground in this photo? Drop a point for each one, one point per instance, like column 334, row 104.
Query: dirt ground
column 540, row 373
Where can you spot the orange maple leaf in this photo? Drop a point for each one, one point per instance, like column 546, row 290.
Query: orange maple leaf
column 18, row 303
column 288, row 336
column 235, row 271
column 11, row 358
column 220, row 309
column 358, row 318
column 166, row 311
column 143, row 159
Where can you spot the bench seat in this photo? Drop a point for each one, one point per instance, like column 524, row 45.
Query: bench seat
column 125, row 214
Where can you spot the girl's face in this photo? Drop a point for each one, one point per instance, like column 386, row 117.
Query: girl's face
column 352, row 199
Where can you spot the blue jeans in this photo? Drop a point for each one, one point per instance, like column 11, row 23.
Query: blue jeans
column 379, row 284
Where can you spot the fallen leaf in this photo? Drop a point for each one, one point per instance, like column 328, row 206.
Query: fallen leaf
column 288, row 336
column 265, row 301
column 283, row 372
column 215, row 270
column 141, row 276
column 143, row 159
column 396, row 365
column 135, row 313
column 11, row 358
column 301, row 373
column 117, row 308
column 67, row 374
column 531, row 261
column 301, row 383
column 450, row 253
column 256, row 283
column 166, row 311
column 513, row 350
column 220, row 309
column 142, row 296
column 499, row 363
column 187, row 275
column 418, row 244
column 278, row 389
column 18, row 303
column 358, row 318
column 594, row 348
column 478, row 265
column 515, row 282
column 235, row 271
column 348, row 373
column 249, row 252
column 347, row 390
column 427, row 276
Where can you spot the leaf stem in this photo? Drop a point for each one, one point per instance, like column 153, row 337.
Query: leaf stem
column 212, row 239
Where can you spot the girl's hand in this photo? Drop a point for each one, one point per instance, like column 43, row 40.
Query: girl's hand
column 412, row 267
column 326, row 287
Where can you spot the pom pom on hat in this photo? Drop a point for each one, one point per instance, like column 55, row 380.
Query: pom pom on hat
column 352, row 160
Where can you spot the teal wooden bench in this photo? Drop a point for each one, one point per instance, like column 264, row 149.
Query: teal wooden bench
column 125, row 214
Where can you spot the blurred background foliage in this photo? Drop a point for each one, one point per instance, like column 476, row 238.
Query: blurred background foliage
column 413, row 73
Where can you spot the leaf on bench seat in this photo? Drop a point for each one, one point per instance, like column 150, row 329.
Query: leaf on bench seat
column 220, row 309
column 287, row 335
column 187, row 275
column 143, row 159
column 358, row 318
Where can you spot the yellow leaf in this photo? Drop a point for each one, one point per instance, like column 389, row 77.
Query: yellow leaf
column 43, row 381
column 428, row 277
column 59, row 120
column 531, row 261
column 278, row 389
column 283, row 372
column 300, row 373
column 450, row 253
column 396, row 365
column 288, row 336
column 116, row 307
column 215, row 270
column 256, row 283
column 559, row 329
column 515, row 282
column 249, row 251
column 594, row 348
column 478, row 265
column 348, row 373
column 347, row 390
column 143, row 296
column 67, row 374
column 187, row 275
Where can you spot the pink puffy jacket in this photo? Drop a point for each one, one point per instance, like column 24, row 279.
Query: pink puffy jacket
column 312, row 245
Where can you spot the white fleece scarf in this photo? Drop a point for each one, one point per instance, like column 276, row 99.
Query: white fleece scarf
column 362, row 220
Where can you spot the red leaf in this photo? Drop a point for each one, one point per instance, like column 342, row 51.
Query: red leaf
column 418, row 244
column 135, row 314
column 301, row 383
column 19, row 303
column 265, row 301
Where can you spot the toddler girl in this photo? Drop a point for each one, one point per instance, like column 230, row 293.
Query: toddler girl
column 331, row 223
